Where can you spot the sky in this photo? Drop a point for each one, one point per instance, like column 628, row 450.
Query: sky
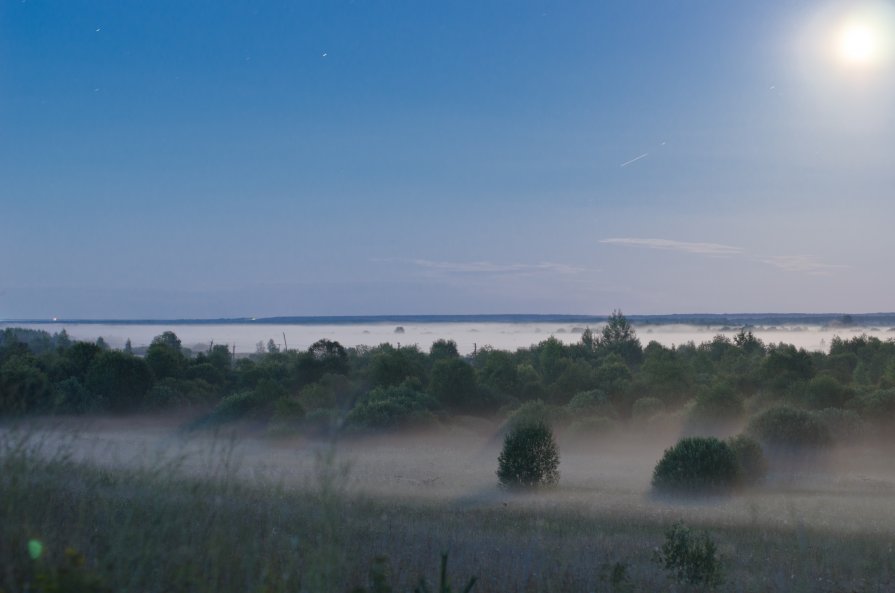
column 204, row 159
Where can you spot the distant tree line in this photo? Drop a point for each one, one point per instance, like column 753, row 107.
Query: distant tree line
column 605, row 380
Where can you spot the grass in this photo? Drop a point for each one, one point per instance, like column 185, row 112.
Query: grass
column 158, row 528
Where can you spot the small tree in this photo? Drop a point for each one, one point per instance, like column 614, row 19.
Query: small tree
column 690, row 557
column 529, row 458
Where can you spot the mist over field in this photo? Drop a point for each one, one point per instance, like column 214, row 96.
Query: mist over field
column 468, row 336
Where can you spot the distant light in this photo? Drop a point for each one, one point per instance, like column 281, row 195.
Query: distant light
column 858, row 44
column 55, row 319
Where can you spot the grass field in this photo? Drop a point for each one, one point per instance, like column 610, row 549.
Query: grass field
column 154, row 509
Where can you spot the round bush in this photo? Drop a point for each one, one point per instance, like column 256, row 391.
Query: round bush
column 788, row 428
column 753, row 466
column 697, row 465
column 529, row 458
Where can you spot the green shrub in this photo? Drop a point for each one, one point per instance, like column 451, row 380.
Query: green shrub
column 824, row 391
column 593, row 402
column 716, row 409
column 386, row 407
column 529, row 457
column 843, row 425
column 788, row 428
column 690, row 557
column 535, row 411
column 646, row 408
column 752, row 465
column 697, row 465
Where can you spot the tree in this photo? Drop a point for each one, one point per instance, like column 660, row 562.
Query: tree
column 529, row 457
column 453, row 383
column 165, row 356
column 441, row 349
column 120, row 380
column 618, row 337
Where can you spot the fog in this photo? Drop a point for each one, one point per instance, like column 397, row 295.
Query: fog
column 847, row 491
column 468, row 336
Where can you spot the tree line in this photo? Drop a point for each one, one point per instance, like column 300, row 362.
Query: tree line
column 606, row 379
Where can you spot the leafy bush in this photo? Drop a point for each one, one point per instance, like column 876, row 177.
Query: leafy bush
column 788, row 428
column 697, row 465
column 824, row 391
column 716, row 409
column 753, row 466
column 529, row 457
column 535, row 411
column 691, row 557
column 590, row 403
column 843, row 425
column 646, row 408
column 400, row 406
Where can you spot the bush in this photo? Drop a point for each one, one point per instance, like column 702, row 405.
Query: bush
column 788, row 428
column 386, row 407
column 752, row 465
column 529, row 458
column 697, row 465
column 843, row 425
column 691, row 557
column 716, row 410
column 538, row 411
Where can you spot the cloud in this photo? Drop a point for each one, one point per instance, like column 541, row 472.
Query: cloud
column 800, row 263
column 487, row 267
column 804, row 264
column 669, row 245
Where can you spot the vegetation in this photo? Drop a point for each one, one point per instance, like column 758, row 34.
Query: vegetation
column 529, row 458
column 690, row 557
column 697, row 465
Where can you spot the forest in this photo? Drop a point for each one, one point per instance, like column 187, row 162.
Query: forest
column 604, row 382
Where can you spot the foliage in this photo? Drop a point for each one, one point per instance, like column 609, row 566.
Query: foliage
column 384, row 407
column 453, row 383
column 529, row 457
column 788, row 428
column 697, row 465
column 690, row 557
column 618, row 337
column 538, row 411
column 717, row 408
column 752, row 466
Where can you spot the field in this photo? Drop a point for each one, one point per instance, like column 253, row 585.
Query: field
column 153, row 507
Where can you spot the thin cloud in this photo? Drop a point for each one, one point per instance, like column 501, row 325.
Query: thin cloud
column 487, row 267
column 800, row 263
column 635, row 159
column 669, row 245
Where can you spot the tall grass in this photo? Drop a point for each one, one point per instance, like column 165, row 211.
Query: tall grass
column 158, row 528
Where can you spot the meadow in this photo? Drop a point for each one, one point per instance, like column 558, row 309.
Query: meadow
column 153, row 507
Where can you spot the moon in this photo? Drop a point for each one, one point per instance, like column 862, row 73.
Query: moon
column 859, row 44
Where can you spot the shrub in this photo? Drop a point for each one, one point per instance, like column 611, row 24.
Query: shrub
column 590, row 402
column 400, row 406
column 716, row 409
column 529, row 458
column 535, row 411
column 824, row 391
column 691, row 557
column 752, row 465
column 843, row 425
column 697, row 465
column 788, row 428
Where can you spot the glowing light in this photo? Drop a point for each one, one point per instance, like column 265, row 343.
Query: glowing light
column 859, row 44
column 35, row 549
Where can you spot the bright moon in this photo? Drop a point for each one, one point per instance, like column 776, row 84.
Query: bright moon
column 858, row 44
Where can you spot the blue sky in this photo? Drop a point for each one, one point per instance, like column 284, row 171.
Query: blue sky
column 209, row 159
